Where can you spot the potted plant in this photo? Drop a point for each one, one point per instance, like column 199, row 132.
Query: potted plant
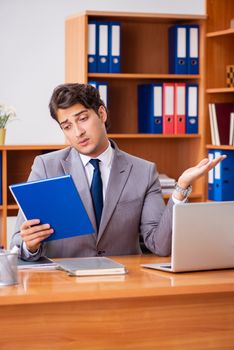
column 6, row 113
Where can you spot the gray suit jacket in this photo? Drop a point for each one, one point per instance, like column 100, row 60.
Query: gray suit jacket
column 133, row 206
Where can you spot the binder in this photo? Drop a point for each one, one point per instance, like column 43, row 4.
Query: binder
column 211, row 177
column 191, row 109
column 48, row 201
column 178, row 49
column 193, row 49
column 103, row 54
column 150, row 108
column 180, row 98
column 92, row 47
column 223, row 177
column 103, row 90
column 168, row 108
column 114, row 47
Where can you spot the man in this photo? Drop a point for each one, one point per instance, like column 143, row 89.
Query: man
column 132, row 203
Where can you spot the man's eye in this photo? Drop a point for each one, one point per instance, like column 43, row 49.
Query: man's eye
column 83, row 118
column 66, row 127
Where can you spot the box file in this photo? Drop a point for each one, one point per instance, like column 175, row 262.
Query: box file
column 191, row 109
column 92, row 47
column 103, row 90
column 114, row 47
column 193, row 49
column 150, row 108
column 178, row 49
column 168, row 108
column 180, row 108
column 103, row 49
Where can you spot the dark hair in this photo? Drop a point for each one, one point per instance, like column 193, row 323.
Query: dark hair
column 67, row 95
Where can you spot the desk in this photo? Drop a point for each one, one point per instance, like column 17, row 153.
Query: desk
column 144, row 309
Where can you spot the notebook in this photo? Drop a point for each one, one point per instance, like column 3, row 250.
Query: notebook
column 54, row 201
column 202, row 237
column 93, row 266
column 42, row 263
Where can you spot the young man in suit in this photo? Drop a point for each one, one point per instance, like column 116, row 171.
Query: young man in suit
column 132, row 203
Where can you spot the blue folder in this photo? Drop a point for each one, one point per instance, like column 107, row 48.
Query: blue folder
column 178, row 49
column 92, row 47
column 150, row 108
column 211, row 156
column 192, row 49
column 103, row 90
column 224, row 177
column 114, row 44
column 103, row 50
column 191, row 108
column 54, row 201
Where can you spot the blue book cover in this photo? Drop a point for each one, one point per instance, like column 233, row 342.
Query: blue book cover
column 54, row 201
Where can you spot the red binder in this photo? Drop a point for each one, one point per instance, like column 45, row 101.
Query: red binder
column 168, row 108
column 180, row 111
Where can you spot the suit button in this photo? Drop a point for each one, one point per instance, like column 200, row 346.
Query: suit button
column 101, row 252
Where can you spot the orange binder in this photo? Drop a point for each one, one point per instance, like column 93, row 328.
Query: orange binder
column 168, row 108
column 180, row 111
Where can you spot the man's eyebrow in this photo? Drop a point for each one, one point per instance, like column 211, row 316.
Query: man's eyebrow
column 74, row 115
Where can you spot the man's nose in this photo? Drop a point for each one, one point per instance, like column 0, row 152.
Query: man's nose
column 79, row 130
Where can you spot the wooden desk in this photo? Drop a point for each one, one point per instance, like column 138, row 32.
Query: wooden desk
column 143, row 310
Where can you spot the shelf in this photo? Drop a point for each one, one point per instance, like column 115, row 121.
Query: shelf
column 143, row 76
column 229, row 31
column 153, row 136
column 227, row 147
column 31, row 147
column 12, row 207
column 220, row 90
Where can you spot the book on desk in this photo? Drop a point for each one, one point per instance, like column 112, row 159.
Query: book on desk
column 93, row 266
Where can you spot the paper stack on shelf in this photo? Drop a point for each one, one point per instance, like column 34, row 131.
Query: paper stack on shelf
column 167, row 183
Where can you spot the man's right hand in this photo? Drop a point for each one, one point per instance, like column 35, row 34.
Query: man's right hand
column 33, row 234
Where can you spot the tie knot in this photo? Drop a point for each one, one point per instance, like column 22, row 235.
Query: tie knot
column 95, row 163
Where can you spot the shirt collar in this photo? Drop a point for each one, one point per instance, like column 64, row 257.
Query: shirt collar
column 105, row 157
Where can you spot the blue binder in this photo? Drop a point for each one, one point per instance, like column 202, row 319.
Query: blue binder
column 92, row 47
column 191, row 108
column 114, row 47
column 211, row 177
column 103, row 50
column 193, row 49
column 178, row 49
column 55, row 201
column 224, row 177
column 150, row 108
column 103, row 90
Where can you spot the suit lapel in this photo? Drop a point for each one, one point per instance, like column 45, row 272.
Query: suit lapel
column 74, row 166
column 119, row 174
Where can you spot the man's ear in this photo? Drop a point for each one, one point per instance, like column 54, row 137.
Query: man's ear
column 102, row 113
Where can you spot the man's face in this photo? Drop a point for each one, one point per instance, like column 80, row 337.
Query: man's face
column 84, row 129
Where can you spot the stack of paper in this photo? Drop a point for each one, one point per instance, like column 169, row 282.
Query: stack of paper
column 167, row 183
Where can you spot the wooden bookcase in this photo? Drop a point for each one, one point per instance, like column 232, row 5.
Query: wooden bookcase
column 144, row 54
column 219, row 54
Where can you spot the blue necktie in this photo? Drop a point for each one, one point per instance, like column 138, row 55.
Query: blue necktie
column 96, row 191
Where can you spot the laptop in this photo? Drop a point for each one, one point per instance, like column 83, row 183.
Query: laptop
column 202, row 237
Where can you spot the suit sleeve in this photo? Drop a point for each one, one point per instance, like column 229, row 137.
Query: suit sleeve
column 156, row 219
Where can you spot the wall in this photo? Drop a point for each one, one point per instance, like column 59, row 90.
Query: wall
column 32, row 56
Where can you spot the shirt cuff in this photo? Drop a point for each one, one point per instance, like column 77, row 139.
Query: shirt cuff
column 177, row 201
column 27, row 253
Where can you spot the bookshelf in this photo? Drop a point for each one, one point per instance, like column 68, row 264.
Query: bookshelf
column 144, row 55
column 219, row 53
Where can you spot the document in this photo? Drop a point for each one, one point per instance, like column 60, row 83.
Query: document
column 54, row 201
column 93, row 266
